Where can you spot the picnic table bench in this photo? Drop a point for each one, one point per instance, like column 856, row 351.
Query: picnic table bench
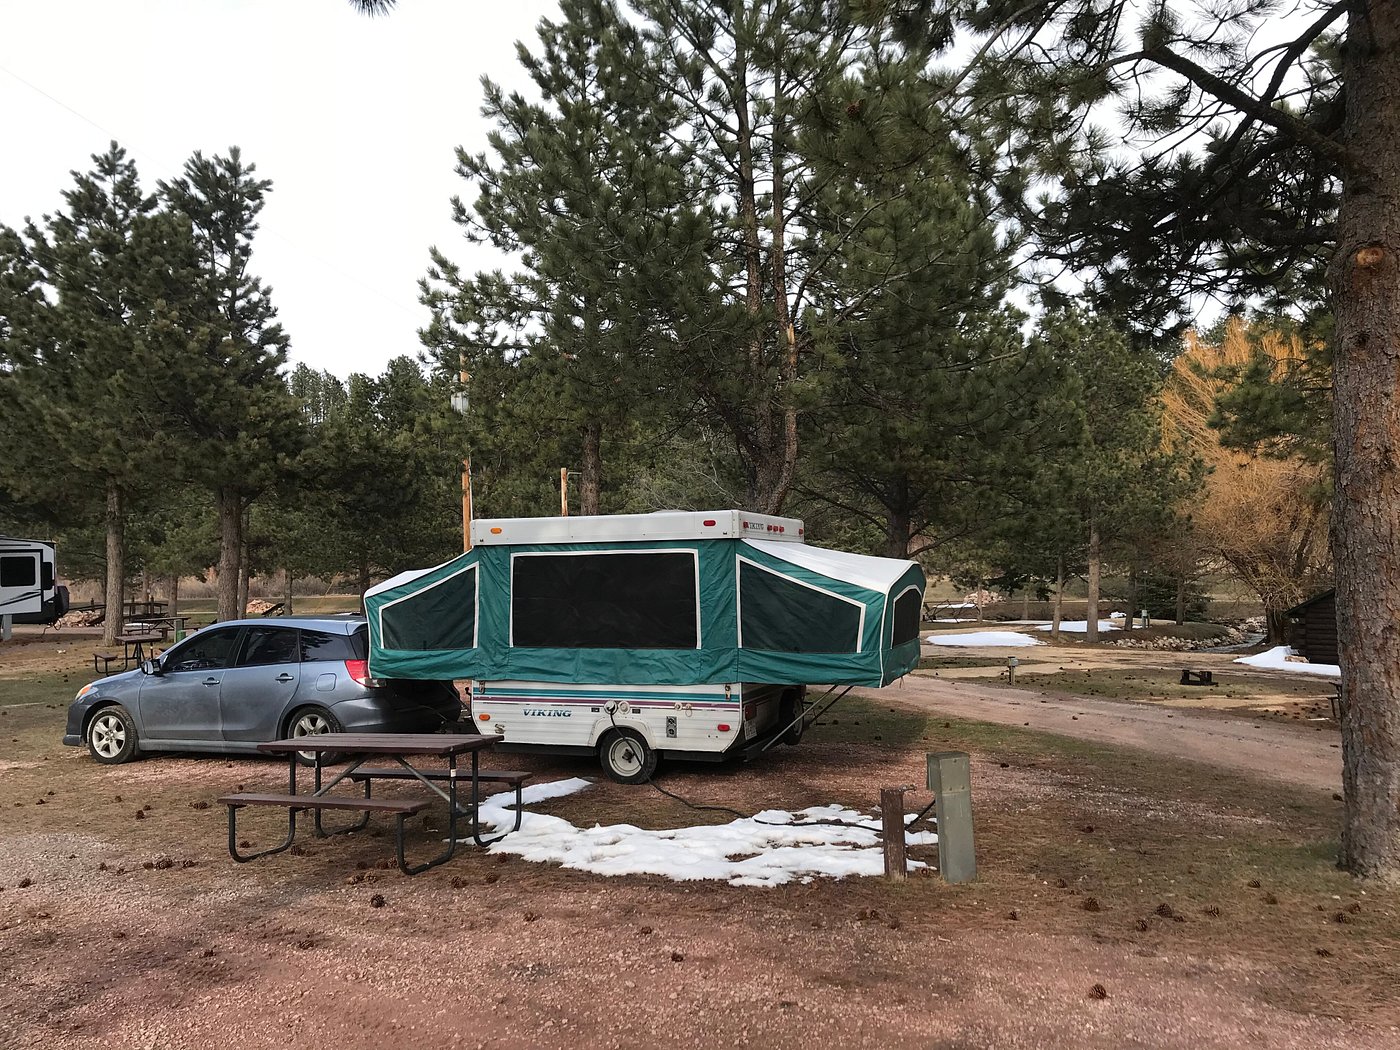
column 359, row 747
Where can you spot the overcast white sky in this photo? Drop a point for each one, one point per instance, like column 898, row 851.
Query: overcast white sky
column 354, row 119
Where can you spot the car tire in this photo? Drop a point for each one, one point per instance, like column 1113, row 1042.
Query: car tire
column 111, row 735
column 626, row 757
column 313, row 721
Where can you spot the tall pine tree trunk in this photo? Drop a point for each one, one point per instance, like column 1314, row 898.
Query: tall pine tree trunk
column 897, row 533
column 1366, row 441
column 287, row 592
column 1181, row 601
column 1056, row 612
column 116, row 565
column 1131, row 619
column 172, row 594
column 591, row 472
column 1091, row 632
column 1026, row 600
column 362, row 582
column 242, row 569
column 230, row 550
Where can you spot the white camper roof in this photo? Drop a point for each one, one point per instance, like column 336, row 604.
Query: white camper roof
column 663, row 525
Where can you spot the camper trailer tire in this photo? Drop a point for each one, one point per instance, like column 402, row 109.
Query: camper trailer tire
column 111, row 735
column 312, row 721
column 626, row 757
column 789, row 708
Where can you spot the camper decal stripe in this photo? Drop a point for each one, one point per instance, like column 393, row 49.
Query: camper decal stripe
column 27, row 596
column 595, row 697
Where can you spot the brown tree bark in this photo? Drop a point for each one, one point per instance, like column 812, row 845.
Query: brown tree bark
column 591, row 471
column 1091, row 631
column 230, row 549
column 1366, row 441
column 1055, row 613
column 116, row 566
column 287, row 592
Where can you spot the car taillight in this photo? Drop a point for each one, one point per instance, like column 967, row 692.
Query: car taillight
column 359, row 671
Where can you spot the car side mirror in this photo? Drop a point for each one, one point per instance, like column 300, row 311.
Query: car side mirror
column 151, row 667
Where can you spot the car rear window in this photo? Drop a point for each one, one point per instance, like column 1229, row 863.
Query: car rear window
column 322, row 645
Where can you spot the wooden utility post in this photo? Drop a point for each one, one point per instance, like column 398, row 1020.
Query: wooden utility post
column 459, row 405
column 892, row 818
column 563, row 492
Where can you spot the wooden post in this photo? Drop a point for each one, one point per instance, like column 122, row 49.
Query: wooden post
column 892, row 817
column 466, row 505
column 563, row 492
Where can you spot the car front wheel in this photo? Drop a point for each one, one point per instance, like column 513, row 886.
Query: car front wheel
column 111, row 735
column 313, row 721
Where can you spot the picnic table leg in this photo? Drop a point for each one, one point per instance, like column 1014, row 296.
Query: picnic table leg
column 359, row 825
column 476, row 821
column 446, row 854
column 243, row 858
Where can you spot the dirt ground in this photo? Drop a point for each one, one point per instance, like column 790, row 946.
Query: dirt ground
column 1202, row 903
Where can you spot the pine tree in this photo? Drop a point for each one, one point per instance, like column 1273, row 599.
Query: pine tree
column 241, row 423
column 1297, row 172
column 90, row 368
column 584, row 187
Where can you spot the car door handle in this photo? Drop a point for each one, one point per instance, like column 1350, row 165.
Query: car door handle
column 284, row 677
column 211, row 681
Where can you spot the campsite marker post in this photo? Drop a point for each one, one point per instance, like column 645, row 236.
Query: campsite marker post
column 892, row 818
column 950, row 780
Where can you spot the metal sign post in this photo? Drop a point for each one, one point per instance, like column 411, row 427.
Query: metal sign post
column 950, row 780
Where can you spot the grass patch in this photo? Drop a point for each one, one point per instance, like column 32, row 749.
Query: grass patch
column 933, row 663
column 41, row 689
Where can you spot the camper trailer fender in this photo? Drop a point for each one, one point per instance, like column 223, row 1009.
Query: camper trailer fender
column 622, row 718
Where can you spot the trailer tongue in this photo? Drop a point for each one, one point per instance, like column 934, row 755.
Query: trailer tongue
column 690, row 635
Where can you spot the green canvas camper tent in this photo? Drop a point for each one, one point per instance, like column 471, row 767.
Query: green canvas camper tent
column 666, row 617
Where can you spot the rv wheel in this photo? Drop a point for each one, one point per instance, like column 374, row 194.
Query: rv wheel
column 626, row 758
column 788, row 710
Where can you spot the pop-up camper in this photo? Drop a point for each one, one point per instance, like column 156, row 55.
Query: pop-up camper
column 684, row 634
column 29, row 589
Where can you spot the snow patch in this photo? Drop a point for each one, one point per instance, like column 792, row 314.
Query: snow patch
column 1080, row 626
column 768, row 849
column 1276, row 659
column 997, row 639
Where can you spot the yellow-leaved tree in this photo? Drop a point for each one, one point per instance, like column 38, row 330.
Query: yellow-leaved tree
column 1263, row 518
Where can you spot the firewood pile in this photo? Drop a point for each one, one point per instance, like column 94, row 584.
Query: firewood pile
column 91, row 618
column 262, row 607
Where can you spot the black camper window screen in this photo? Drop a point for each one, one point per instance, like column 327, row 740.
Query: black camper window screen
column 618, row 600
column 442, row 616
column 17, row 571
column 779, row 614
column 907, row 608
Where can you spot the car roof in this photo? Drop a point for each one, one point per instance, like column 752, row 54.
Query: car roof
column 340, row 624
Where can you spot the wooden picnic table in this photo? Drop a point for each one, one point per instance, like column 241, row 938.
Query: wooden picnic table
column 357, row 748
column 133, row 646
column 163, row 624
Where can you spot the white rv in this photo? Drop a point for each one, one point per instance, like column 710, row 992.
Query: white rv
column 29, row 589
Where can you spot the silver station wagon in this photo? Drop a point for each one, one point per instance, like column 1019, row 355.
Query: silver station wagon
column 234, row 685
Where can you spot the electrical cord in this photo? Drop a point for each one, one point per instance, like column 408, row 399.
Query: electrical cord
column 611, row 707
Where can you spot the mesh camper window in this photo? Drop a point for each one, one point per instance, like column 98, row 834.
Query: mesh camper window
column 442, row 616
column 907, row 609
column 608, row 600
column 780, row 614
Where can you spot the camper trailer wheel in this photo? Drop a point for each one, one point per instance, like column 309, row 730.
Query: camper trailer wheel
column 111, row 735
column 626, row 758
column 788, row 710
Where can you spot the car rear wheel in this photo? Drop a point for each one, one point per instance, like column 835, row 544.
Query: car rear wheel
column 111, row 735
column 313, row 721
column 626, row 757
